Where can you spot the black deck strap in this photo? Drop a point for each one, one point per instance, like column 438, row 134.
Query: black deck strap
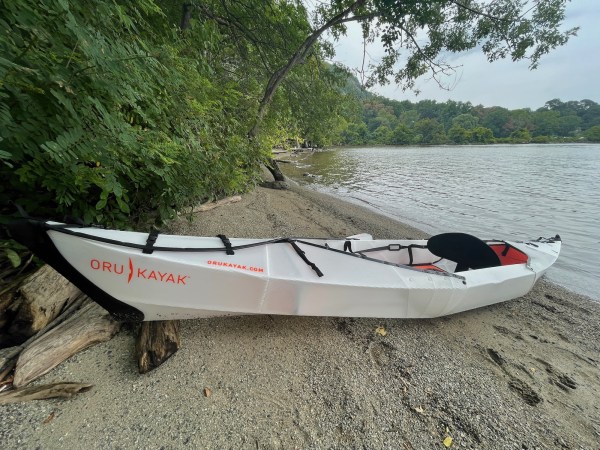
column 410, row 256
column 227, row 244
column 467, row 251
column 150, row 242
column 506, row 249
column 348, row 246
column 302, row 255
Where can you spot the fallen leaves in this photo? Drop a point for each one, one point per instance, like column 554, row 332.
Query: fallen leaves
column 49, row 418
column 448, row 439
column 206, row 392
column 381, row 331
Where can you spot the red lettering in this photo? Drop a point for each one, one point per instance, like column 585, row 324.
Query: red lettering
column 130, row 271
column 212, row 262
column 147, row 274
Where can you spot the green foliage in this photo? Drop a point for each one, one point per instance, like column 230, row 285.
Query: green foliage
column 481, row 135
column 430, row 131
column 522, row 136
column 403, row 135
column 430, row 122
column 465, row 121
column 593, row 134
column 103, row 117
column 458, row 135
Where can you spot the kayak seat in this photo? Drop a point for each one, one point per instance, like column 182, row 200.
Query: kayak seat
column 467, row 251
column 427, row 267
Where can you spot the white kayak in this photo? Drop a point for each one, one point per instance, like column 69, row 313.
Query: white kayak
column 141, row 276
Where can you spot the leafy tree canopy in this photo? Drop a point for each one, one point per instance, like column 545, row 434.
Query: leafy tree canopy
column 417, row 34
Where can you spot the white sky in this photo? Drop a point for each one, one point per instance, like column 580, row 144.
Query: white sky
column 571, row 72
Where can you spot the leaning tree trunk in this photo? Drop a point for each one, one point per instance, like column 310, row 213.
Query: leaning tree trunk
column 275, row 170
column 278, row 76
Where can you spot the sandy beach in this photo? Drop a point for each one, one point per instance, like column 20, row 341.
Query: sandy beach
column 520, row 375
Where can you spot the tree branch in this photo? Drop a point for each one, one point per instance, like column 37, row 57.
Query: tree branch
column 479, row 13
column 298, row 56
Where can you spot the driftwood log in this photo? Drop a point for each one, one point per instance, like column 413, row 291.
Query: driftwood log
column 41, row 298
column 156, row 342
column 88, row 326
column 6, row 301
column 55, row 390
column 212, row 205
column 8, row 356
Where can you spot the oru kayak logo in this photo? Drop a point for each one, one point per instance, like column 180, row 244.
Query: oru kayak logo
column 141, row 273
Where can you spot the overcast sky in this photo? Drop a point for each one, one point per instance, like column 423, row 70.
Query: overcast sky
column 571, row 72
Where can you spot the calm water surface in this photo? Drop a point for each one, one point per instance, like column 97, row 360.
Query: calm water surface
column 511, row 192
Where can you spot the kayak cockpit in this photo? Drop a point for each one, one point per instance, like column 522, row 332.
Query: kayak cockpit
column 448, row 252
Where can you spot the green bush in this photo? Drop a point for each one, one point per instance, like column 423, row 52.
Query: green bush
column 107, row 113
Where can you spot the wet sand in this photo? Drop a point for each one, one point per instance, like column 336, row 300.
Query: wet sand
column 522, row 374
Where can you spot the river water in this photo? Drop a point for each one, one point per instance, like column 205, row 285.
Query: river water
column 502, row 191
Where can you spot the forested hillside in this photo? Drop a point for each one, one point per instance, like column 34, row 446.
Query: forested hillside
column 391, row 122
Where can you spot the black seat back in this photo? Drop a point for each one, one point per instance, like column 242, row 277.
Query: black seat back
column 467, row 251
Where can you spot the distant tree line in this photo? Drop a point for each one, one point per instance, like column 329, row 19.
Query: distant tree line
column 389, row 122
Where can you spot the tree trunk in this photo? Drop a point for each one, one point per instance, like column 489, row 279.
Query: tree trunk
column 300, row 54
column 186, row 15
column 275, row 170
column 156, row 342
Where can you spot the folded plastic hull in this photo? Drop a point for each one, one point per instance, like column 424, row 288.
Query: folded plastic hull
column 271, row 278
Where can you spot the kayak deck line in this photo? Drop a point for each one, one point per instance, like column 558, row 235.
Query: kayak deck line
column 152, row 276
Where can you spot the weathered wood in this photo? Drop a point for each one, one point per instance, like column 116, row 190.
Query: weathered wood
column 43, row 296
column 212, row 205
column 8, row 365
column 8, row 307
column 89, row 326
column 156, row 342
column 8, row 356
column 55, row 390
